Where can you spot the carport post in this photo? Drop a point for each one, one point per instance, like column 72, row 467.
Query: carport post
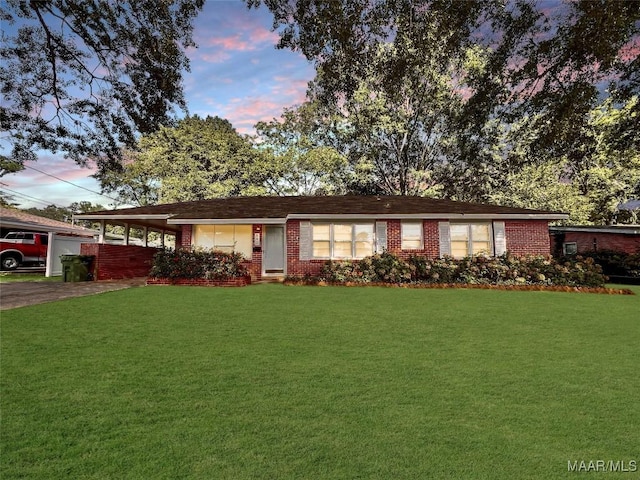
column 101, row 232
column 145, row 231
column 126, row 234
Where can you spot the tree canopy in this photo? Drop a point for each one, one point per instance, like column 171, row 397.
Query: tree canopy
column 84, row 77
column 551, row 63
column 478, row 100
column 199, row 158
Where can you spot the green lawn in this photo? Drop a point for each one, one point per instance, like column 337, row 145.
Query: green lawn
column 282, row 382
column 11, row 277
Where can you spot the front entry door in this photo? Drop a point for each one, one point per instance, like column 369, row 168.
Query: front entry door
column 273, row 255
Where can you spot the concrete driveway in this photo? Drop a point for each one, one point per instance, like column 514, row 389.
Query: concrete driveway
column 21, row 294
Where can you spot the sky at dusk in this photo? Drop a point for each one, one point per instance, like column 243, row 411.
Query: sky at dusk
column 236, row 73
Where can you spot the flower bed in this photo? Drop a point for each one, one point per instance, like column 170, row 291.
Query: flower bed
column 198, row 267
column 505, row 272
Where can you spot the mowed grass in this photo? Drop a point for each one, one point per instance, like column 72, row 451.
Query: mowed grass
column 282, row 382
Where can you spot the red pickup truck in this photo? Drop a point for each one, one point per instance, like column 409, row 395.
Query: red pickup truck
column 22, row 248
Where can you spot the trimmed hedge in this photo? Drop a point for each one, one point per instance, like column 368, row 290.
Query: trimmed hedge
column 199, row 263
column 503, row 270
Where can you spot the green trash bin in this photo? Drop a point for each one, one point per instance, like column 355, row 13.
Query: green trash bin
column 76, row 268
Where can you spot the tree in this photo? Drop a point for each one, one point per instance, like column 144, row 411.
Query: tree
column 197, row 159
column 84, row 77
column 296, row 159
column 590, row 181
column 547, row 65
column 65, row 214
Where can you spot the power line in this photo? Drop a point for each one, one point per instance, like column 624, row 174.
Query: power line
column 39, row 200
column 71, row 183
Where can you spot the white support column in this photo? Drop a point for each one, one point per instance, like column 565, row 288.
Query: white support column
column 126, row 234
column 101, row 232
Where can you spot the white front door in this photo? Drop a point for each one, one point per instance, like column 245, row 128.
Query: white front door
column 273, row 254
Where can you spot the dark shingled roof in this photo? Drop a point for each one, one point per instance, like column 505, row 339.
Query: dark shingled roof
column 281, row 207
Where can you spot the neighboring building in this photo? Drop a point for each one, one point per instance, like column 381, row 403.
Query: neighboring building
column 13, row 220
column 61, row 239
column 581, row 239
column 296, row 235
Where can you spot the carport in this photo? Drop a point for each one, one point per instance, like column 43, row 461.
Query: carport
column 128, row 256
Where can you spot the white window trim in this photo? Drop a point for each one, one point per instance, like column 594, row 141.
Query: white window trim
column 353, row 240
column 492, row 248
column 194, row 238
column 421, row 229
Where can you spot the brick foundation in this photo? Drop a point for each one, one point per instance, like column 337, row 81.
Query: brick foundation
column 201, row 282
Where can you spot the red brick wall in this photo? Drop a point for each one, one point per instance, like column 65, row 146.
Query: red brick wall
column 119, row 261
column 430, row 235
column 527, row 237
column 255, row 265
column 589, row 241
column 185, row 238
column 295, row 266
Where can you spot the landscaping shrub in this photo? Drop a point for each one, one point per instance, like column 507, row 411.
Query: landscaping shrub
column 616, row 263
column 200, row 263
column 503, row 270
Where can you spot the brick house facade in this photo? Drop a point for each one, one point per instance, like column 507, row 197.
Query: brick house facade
column 522, row 238
column 296, row 235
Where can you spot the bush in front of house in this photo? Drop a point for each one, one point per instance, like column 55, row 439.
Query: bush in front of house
column 200, row 263
column 503, row 270
column 615, row 263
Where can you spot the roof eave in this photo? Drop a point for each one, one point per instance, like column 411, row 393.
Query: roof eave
column 226, row 221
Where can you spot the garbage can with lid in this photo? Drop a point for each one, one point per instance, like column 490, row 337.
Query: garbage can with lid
column 76, row 268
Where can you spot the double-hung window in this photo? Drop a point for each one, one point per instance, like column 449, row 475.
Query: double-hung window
column 470, row 239
column 342, row 240
column 411, row 235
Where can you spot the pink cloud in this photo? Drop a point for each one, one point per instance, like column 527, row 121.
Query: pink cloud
column 262, row 35
column 215, row 57
column 244, row 113
column 235, row 43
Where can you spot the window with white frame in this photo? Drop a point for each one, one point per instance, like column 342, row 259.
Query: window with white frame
column 226, row 238
column 469, row 239
column 411, row 235
column 342, row 240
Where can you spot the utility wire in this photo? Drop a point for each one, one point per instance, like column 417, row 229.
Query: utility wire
column 39, row 200
column 70, row 183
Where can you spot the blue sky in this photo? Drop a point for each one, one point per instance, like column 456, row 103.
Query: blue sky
column 236, row 73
